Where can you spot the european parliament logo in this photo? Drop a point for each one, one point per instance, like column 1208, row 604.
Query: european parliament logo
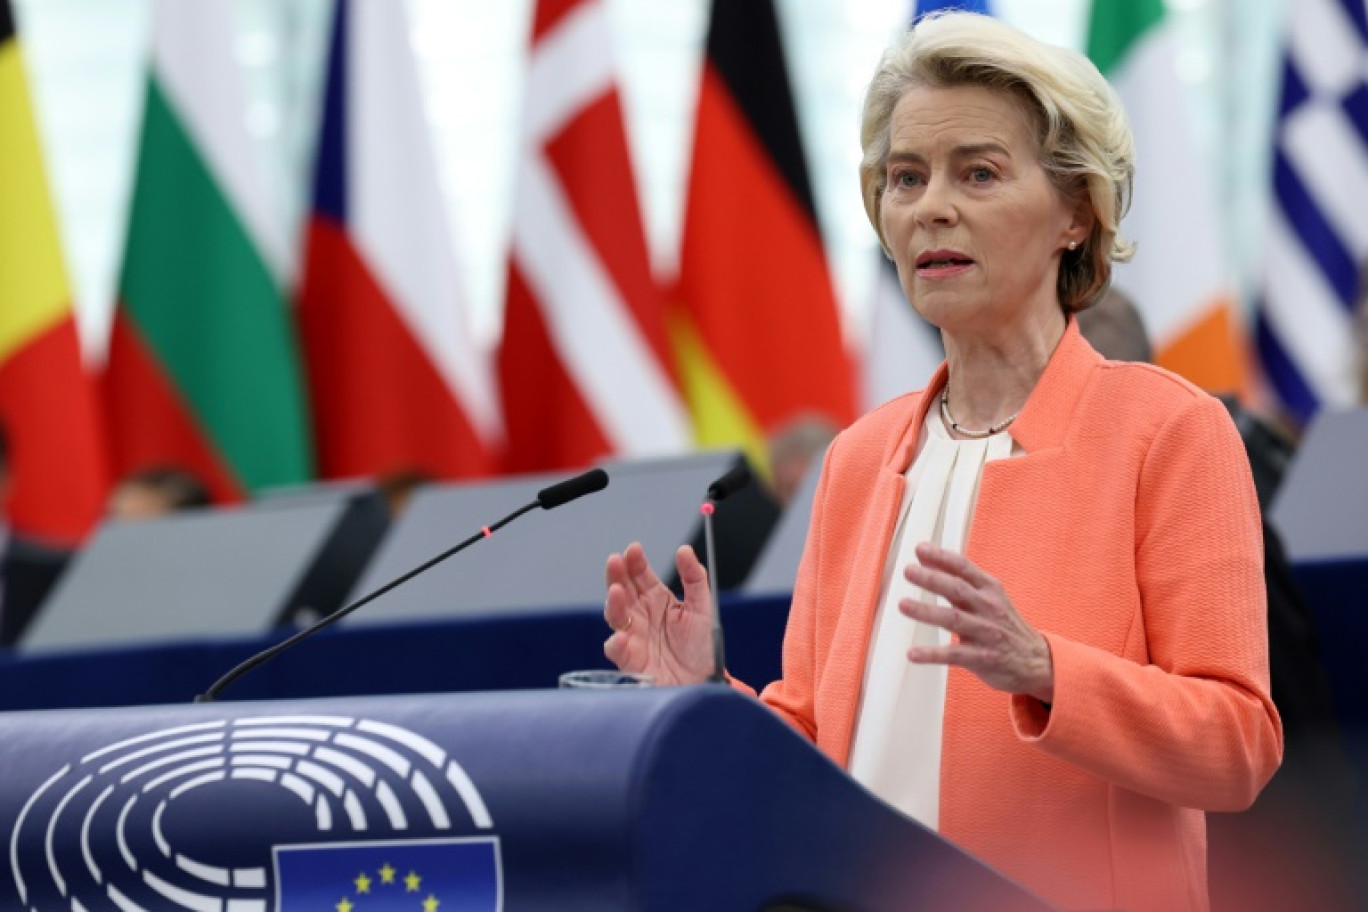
column 441, row 875
column 284, row 813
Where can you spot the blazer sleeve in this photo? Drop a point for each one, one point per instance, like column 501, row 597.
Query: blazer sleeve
column 1196, row 725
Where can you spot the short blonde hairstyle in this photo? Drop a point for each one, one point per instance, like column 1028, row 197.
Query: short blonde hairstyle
column 1085, row 144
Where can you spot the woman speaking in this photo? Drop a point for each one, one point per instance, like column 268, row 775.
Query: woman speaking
column 1030, row 610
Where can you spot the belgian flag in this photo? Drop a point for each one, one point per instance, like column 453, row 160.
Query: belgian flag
column 47, row 401
column 754, row 320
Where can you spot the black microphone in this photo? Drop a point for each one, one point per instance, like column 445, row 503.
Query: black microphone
column 731, row 482
column 736, row 479
column 547, row 498
column 572, row 489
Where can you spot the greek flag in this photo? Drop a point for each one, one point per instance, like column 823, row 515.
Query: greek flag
column 1318, row 227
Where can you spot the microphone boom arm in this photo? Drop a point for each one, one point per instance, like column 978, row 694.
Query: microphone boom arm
column 548, row 498
column 265, row 656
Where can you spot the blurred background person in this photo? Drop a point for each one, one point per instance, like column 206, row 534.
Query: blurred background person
column 397, row 488
column 157, row 491
column 28, row 568
column 792, row 451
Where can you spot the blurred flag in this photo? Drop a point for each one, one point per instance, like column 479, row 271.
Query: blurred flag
column 1179, row 278
column 396, row 382
column 756, row 322
column 1318, row 227
column 47, row 401
column 584, row 366
column 203, row 370
column 902, row 349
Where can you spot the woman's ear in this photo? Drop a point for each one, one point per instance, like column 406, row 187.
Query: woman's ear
column 1080, row 223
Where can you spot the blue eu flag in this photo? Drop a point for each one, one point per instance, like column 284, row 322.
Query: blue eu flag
column 425, row 875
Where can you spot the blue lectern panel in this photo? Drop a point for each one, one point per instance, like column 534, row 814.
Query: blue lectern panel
column 673, row 800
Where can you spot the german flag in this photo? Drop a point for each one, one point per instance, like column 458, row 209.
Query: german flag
column 47, row 401
column 755, row 319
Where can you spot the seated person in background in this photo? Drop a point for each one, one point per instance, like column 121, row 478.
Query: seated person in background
column 1301, row 828
column 157, row 491
column 398, row 487
column 28, row 569
column 791, row 451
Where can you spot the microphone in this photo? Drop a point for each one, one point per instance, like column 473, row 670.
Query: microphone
column 731, row 482
column 547, row 498
column 562, row 492
column 735, row 479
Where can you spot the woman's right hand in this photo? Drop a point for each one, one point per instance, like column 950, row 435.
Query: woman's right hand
column 655, row 633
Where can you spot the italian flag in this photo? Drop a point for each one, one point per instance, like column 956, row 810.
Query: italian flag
column 1179, row 278
column 203, row 370
column 47, row 402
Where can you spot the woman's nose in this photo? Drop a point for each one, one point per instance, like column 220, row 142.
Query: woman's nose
column 936, row 206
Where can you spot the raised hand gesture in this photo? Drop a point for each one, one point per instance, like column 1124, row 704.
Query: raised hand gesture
column 655, row 633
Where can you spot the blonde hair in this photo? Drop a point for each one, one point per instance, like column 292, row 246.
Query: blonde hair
column 1084, row 142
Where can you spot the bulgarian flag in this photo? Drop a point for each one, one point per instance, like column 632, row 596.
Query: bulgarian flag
column 1179, row 278
column 203, row 370
column 756, row 323
column 396, row 380
column 47, row 402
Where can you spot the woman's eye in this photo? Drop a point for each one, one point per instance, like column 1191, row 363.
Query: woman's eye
column 981, row 175
column 906, row 178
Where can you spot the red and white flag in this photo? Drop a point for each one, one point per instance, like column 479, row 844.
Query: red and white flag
column 584, row 365
column 396, row 380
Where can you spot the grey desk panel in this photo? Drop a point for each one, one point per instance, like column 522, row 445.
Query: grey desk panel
column 1321, row 509
column 545, row 560
column 210, row 573
column 777, row 566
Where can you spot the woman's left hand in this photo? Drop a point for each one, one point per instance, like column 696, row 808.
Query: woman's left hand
column 991, row 639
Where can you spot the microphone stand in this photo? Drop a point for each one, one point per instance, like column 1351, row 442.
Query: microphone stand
column 718, row 675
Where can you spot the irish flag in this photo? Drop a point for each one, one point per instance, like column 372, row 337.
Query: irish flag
column 203, row 370
column 1179, row 278
column 396, row 381
column 757, row 327
column 47, row 403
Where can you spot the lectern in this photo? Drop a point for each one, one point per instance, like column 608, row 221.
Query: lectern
column 652, row 801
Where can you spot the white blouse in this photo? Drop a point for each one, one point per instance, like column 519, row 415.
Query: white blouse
column 896, row 751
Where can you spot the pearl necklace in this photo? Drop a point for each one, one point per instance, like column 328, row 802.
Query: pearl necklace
column 974, row 435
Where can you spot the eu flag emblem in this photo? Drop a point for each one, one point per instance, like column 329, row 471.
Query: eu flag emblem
column 423, row 875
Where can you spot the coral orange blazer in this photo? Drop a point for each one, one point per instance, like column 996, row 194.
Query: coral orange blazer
column 1128, row 533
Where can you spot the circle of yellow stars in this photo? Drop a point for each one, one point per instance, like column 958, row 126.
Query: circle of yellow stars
column 388, row 877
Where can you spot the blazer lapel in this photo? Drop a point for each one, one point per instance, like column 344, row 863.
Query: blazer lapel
column 844, row 674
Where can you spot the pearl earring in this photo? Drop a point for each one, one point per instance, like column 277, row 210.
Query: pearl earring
column 1073, row 245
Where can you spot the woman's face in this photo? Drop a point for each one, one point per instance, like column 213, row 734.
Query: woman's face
column 974, row 224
